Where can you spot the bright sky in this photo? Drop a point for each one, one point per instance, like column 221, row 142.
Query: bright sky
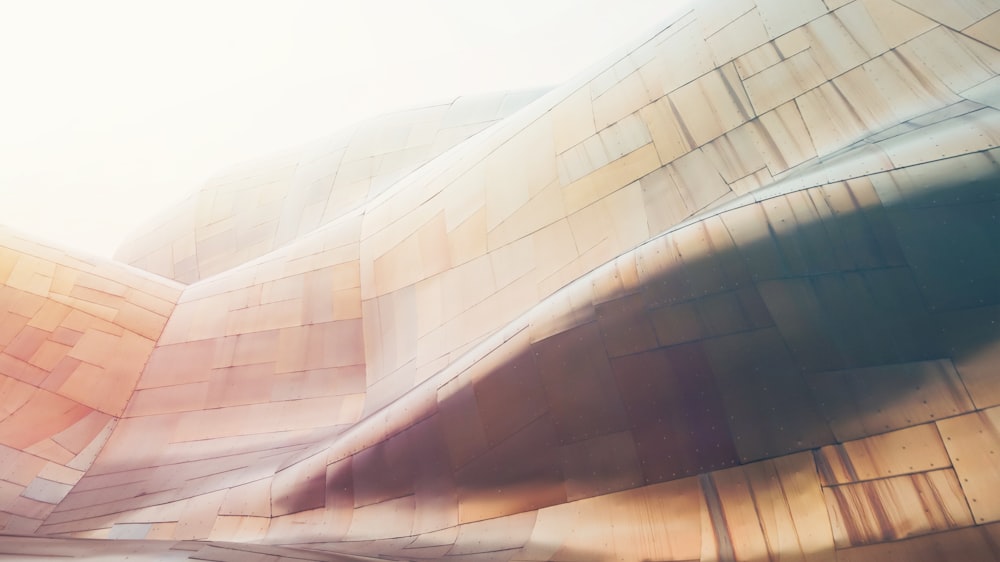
column 112, row 110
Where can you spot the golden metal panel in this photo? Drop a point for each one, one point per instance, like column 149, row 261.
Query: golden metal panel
column 915, row 449
column 973, row 442
column 894, row 508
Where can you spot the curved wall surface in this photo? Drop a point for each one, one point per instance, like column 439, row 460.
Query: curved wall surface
column 734, row 294
column 263, row 205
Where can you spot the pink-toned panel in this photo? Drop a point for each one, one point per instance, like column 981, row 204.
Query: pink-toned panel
column 73, row 349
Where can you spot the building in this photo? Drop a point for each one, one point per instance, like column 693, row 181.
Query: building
column 732, row 295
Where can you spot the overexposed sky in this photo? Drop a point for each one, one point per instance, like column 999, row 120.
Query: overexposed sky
column 111, row 110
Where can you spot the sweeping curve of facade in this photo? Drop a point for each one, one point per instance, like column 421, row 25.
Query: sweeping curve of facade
column 732, row 294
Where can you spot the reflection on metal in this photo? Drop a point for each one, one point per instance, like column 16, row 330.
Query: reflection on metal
column 733, row 297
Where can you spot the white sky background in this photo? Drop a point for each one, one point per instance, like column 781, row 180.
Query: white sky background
column 113, row 110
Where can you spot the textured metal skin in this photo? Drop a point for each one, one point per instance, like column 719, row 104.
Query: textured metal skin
column 732, row 295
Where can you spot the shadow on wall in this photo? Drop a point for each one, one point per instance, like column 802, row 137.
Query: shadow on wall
column 821, row 316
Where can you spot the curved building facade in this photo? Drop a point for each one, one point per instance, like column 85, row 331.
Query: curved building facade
column 733, row 294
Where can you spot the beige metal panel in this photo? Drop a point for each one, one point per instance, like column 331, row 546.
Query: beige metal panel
column 985, row 30
column 681, row 56
column 861, row 21
column 782, row 138
column 238, row 528
column 418, row 256
column 463, row 197
column 608, row 179
column 987, row 93
column 46, row 491
column 58, row 473
column 972, row 132
column 518, row 169
column 196, row 320
column 958, row 15
column 467, row 286
column 664, row 205
column 783, row 81
column 698, row 182
column 891, row 74
column 756, row 60
column 627, row 212
column 249, row 212
column 253, row 499
column 468, row 240
column 543, row 209
column 714, row 18
column 835, row 47
column 793, row 42
column 852, row 398
column 184, row 363
column 176, row 398
column 234, row 386
column 608, row 145
column 18, row 525
column 85, row 438
column 612, row 76
column 915, row 449
column 736, row 154
column 897, row 507
column 622, row 99
column 711, row 105
column 975, row 543
column 669, row 134
column 958, row 61
column 973, row 442
column 19, row 469
column 829, row 118
column 512, row 263
column 779, row 17
column 591, row 226
column 198, row 517
column 258, row 418
column 565, row 531
column 554, row 248
column 774, row 508
column 739, row 36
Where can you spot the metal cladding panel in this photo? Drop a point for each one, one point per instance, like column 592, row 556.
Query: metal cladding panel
column 732, row 295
